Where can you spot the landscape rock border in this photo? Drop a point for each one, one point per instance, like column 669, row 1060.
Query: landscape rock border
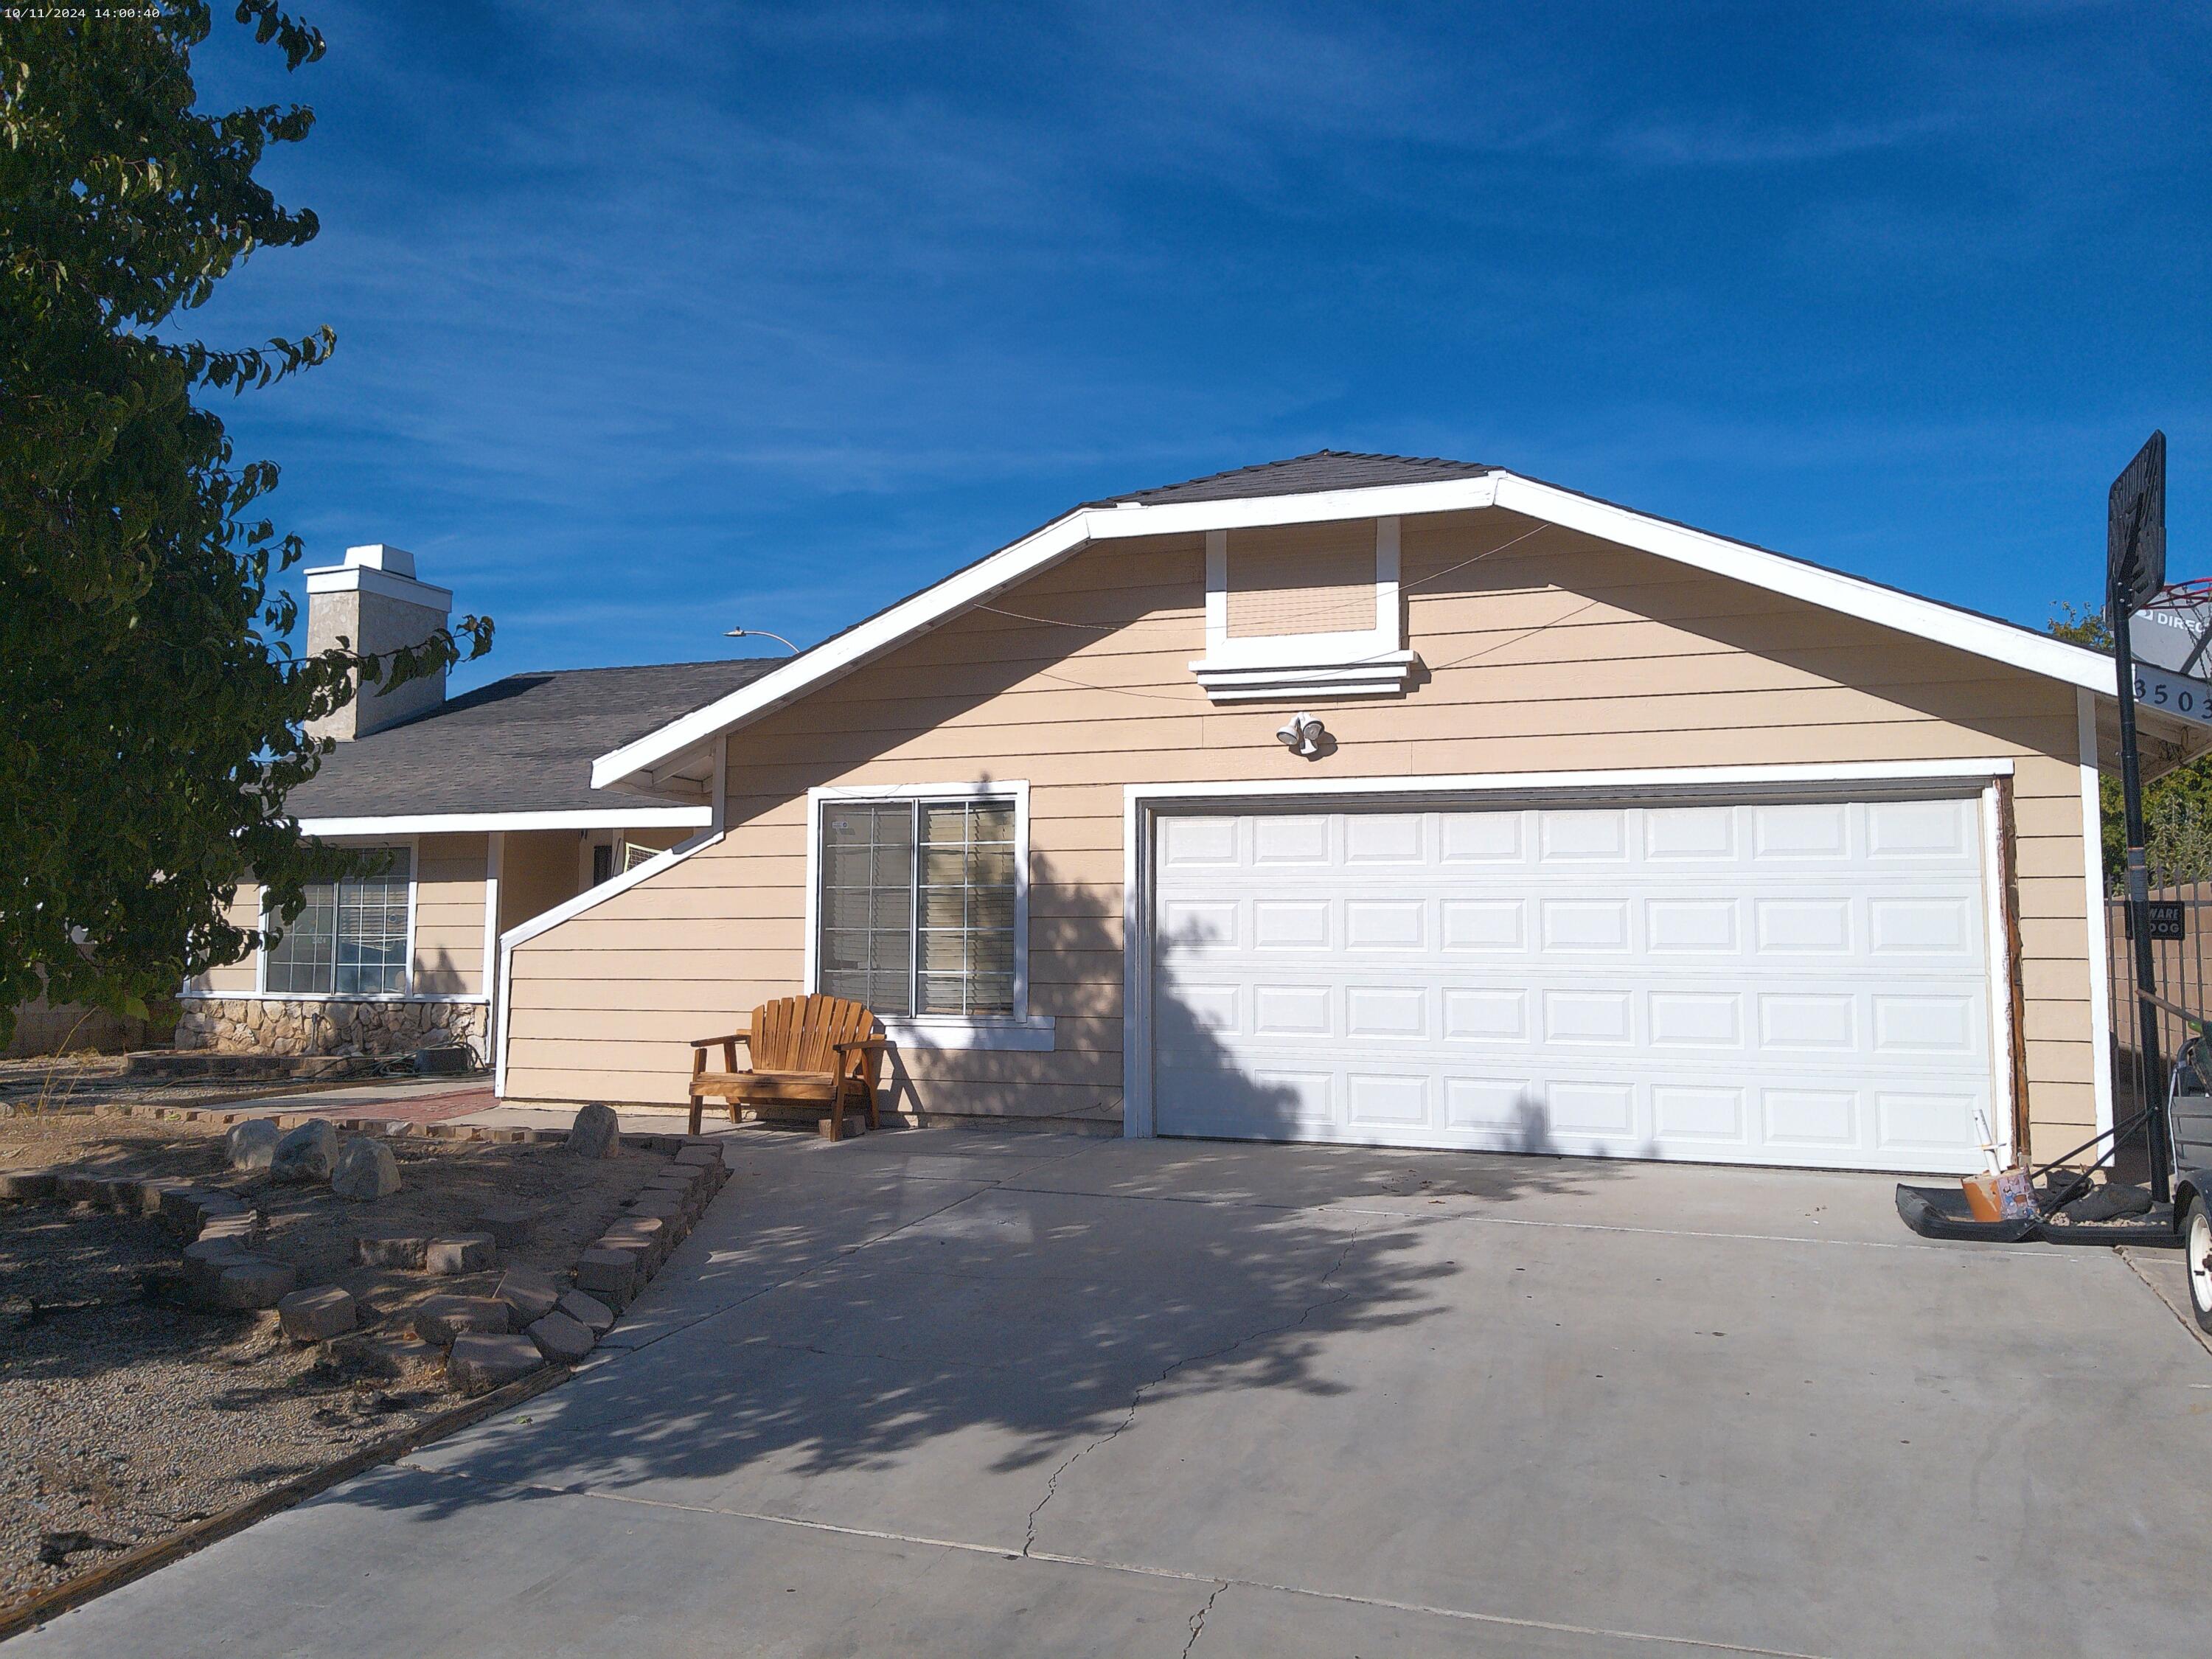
column 673, row 1141
column 484, row 1348
column 219, row 1229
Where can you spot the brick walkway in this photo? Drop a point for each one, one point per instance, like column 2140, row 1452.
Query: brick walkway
column 424, row 1109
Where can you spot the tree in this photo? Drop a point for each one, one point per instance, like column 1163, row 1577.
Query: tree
column 2176, row 807
column 151, row 711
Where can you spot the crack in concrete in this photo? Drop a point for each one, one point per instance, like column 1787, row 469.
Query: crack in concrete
column 2185, row 1316
column 1134, row 1569
column 1198, row 1618
column 1137, row 1398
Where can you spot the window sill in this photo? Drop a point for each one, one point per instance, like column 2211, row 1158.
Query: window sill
column 1008, row 1034
column 1386, row 674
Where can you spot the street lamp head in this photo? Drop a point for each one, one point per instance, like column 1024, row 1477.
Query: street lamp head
column 761, row 634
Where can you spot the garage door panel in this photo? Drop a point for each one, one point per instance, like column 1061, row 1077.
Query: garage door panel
column 1290, row 843
column 1706, row 1114
column 1801, row 982
column 1287, row 925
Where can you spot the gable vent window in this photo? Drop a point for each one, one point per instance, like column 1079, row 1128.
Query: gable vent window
column 919, row 905
column 350, row 941
column 1304, row 612
column 1305, row 579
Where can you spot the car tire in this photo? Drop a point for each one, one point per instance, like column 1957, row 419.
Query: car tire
column 2196, row 1258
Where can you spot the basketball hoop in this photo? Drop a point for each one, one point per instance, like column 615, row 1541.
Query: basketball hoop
column 2188, row 596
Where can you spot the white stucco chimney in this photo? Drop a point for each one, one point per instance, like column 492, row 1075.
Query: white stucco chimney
column 375, row 602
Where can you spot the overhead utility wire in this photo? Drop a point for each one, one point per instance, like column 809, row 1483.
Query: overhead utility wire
column 1185, row 704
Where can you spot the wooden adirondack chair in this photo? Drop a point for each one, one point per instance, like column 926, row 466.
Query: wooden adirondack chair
column 808, row 1054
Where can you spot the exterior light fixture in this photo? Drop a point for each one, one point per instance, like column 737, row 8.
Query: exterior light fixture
column 1303, row 736
column 761, row 634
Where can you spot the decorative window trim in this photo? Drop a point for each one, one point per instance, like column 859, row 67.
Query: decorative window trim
column 1019, row 1032
column 262, row 994
column 1372, row 662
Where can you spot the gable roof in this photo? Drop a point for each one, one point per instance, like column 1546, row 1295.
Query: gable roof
column 521, row 745
column 1329, row 485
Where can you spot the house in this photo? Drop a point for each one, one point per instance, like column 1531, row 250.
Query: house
column 1366, row 799
column 485, row 805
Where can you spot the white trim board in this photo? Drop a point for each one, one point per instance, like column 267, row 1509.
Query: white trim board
column 2004, row 1096
column 1140, row 800
column 2100, row 946
column 1907, row 613
column 488, row 974
column 444, row 823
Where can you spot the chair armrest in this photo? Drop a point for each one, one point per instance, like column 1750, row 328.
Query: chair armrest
column 745, row 1037
column 861, row 1044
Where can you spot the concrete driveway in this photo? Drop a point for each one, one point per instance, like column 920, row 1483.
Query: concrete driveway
column 961, row 1393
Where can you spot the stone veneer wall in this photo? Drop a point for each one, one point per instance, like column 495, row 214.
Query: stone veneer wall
column 257, row 1025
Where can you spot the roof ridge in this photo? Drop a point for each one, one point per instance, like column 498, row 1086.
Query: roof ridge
column 631, row 667
column 1258, row 469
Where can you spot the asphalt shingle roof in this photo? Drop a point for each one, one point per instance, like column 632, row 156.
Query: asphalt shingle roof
column 525, row 743
column 1325, row 469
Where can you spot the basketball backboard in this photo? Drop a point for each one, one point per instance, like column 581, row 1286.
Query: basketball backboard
column 2134, row 530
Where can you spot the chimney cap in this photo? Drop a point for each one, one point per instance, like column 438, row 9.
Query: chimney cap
column 379, row 556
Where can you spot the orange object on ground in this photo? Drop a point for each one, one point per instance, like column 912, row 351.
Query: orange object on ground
column 2005, row 1196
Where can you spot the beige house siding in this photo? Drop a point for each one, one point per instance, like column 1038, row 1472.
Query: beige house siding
column 537, row 871
column 236, row 978
column 449, row 915
column 1562, row 653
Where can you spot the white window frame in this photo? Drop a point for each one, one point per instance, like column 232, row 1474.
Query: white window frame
column 1367, row 662
column 1019, row 1032
column 262, row 994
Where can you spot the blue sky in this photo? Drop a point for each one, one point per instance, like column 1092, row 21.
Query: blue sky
column 656, row 320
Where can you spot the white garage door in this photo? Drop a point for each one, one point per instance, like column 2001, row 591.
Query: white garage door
column 1799, row 983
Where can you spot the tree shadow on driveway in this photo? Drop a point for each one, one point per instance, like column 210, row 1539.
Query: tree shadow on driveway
column 1012, row 1323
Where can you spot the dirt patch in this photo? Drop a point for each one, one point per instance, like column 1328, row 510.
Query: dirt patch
column 125, row 1416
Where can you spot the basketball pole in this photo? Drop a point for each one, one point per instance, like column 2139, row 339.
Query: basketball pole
column 2120, row 609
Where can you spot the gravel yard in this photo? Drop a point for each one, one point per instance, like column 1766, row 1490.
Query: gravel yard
column 125, row 1415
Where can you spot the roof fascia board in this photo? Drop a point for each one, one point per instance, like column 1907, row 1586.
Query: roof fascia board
column 433, row 823
column 1830, row 590
column 1250, row 512
column 836, row 658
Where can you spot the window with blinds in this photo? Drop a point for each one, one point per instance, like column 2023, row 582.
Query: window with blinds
column 918, row 905
column 350, row 939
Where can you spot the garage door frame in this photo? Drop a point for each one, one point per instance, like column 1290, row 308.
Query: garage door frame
column 1144, row 804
